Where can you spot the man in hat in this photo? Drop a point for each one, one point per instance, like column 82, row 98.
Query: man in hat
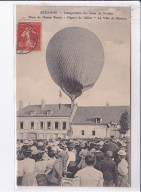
column 30, row 142
column 66, row 157
column 122, row 180
column 124, row 147
column 71, row 163
column 83, row 153
column 25, row 146
column 109, row 169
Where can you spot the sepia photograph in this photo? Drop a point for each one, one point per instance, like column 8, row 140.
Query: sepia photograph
column 73, row 96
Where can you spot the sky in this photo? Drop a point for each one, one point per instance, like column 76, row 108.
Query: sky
column 33, row 80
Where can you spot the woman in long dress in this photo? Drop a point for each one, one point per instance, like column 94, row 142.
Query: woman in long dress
column 40, row 168
column 29, row 178
column 57, row 171
column 19, row 167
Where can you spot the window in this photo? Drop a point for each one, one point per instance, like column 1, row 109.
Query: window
column 32, row 125
column 33, row 112
column 64, row 125
column 82, row 132
column 56, row 125
column 21, row 125
column 97, row 120
column 49, row 112
column 41, row 125
column 48, row 125
column 93, row 132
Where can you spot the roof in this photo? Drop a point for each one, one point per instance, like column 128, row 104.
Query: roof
column 63, row 111
column 87, row 115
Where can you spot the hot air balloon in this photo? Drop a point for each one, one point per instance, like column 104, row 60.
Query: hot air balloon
column 75, row 58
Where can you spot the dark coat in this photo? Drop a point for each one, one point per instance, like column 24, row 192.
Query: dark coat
column 109, row 169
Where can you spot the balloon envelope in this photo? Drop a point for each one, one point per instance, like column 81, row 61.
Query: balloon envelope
column 75, row 58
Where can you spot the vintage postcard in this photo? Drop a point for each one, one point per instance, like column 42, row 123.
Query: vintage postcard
column 73, row 96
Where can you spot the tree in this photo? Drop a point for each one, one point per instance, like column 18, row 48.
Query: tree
column 124, row 122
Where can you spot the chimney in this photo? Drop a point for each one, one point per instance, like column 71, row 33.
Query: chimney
column 107, row 104
column 42, row 104
column 20, row 104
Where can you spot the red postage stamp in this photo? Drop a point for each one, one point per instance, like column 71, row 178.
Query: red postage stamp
column 28, row 37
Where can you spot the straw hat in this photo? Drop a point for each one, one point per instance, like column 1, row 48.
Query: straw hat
column 35, row 152
column 122, row 153
column 123, row 145
column 33, row 148
column 26, row 142
column 101, row 143
column 30, row 142
column 92, row 150
column 77, row 143
column 96, row 151
column 50, row 144
column 40, row 144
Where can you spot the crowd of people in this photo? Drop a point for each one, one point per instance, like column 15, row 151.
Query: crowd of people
column 74, row 162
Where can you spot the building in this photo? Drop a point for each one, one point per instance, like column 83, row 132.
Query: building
column 60, row 120
column 44, row 121
column 90, row 122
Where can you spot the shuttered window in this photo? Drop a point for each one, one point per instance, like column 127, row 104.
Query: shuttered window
column 93, row 132
column 21, row 125
column 82, row 132
column 64, row 125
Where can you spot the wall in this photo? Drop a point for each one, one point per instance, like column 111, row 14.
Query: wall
column 100, row 131
column 44, row 133
column 36, row 120
column 40, row 134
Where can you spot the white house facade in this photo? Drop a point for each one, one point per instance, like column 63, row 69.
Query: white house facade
column 62, row 121
column 88, row 131
column 44, row 121
column 91, row 122
column 42, row 127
